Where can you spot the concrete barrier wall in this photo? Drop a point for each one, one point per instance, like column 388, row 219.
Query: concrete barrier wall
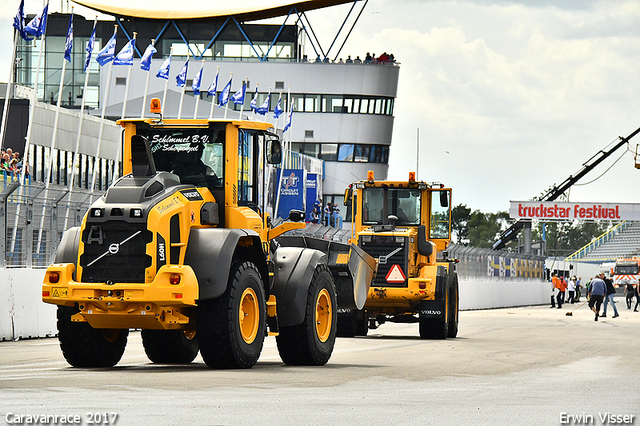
column 487, row 294
column 24, row 315
column 22, row 312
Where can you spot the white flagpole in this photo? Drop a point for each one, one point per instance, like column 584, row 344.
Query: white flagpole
column 146, row 86
column 126, row 87
column 195, row 109
column 277, row 119
column 184, row 87
column 124, row 109
column 104, row 109
column 213, row 101
column 266, row 114
column 166, row 83
column 288, row 143
column 74, row 165
column 253, row 111
column 9, row 92
column 246, row 80
column 226, row 106
column 32, row 108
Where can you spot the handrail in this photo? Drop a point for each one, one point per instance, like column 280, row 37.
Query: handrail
column 596, row 242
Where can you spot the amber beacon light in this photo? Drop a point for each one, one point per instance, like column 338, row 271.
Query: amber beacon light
column 155, row 107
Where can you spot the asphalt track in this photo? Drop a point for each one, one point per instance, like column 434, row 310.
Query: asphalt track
column 518, row 366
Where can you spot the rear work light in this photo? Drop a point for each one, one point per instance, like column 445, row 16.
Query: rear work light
column 54, row 277
column 174, row 279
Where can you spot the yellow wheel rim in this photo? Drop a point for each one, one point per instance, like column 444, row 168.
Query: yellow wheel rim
column 249, row 315
column 323, row 315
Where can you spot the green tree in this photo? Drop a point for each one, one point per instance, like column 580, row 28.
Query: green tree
column 484, row 228
column 460, row 216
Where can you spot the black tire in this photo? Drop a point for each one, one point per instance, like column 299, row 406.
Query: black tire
column 362, row 323
column 454, row 305
column 436, row 328
column 170, row 346
column 87, row 347
column 346, row 325
column 225, row 340
column 312, row 342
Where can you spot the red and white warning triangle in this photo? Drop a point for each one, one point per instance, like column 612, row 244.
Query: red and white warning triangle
column 395, row 275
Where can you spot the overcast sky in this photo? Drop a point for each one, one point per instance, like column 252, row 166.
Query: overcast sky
column 510, row 97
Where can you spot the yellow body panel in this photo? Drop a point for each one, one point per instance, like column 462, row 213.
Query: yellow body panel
column 158, row 304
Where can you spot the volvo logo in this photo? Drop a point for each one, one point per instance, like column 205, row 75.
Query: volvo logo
column 114, row 248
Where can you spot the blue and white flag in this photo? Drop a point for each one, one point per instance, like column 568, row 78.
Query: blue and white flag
column 278, row 109
column 90, row 44
column 18, row 22
column 38, row 24
column 211, row 91
column 264, row 108
column 238, row 97
column 197, row 81
column 181, row 78
column 288, row 123
column 163, row 72
column 108, row 51
column 224, row 95
column 68, row 44
column 254, row 101
column 145, row 61
column 125, row 56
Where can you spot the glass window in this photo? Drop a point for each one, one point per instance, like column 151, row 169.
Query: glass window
column 312, row 103
column 194, row 155
column 364, row 105
column 379, row 154
column 345, row 152
column 440, row 221
column 356, row 105
column 379, row 106
column 328, row 152
column 372, row 206
column 380, row 203
column 361, row 154
column 332, row 103
column 245, row 169
column 372, row 106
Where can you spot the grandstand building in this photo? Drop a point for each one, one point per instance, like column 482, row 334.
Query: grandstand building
column 342, row 112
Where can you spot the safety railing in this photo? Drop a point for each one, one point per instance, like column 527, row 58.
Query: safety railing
column 33, row 219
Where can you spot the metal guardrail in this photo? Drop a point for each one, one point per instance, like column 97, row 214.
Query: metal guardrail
column 478, row 263
column 33, row 219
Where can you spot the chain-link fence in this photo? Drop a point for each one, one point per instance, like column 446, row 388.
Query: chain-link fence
column 33, row 219
column 477, row 263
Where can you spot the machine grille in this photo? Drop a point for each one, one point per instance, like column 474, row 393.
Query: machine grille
column 115, row 251
column 378, row 246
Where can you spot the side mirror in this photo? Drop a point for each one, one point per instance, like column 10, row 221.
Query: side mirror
column 444, row 198
column 296, row 215
column 274, row 151
column 348, row 193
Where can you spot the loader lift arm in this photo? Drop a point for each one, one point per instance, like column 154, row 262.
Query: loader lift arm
column 512, row 232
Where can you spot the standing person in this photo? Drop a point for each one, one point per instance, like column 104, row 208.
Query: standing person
column 327, row 214
column 629, row 291
column 572, row 290
column 611, row 291
column 561, row 286
column 596, row 292
column 637, row 288
column 554, row 285
column 578, row 287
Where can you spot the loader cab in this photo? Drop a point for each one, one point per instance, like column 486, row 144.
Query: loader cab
column 229, row 157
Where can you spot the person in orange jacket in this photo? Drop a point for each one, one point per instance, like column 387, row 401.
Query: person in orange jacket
column 561, row 285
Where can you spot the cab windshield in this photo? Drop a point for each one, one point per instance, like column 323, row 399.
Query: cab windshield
column 380, row 203
column 194, row 155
